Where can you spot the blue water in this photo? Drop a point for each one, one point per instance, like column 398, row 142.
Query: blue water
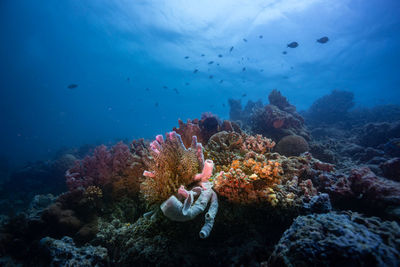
column 114, row 50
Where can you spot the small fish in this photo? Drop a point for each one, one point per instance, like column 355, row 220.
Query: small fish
column 176, row 90
column 72, row 86
column 293, row 45
column 223, row 105
column 230, row 50
column 211, row 76
column 244, row 69
column 217, row 64
column 165, row 87
column 323, row 40
column 128, row 79
column 211, row 62
column 260, row 36
column 195, row 70
column 244, row 95
column 245, row 40
column 187, row 83
column 261, row 70
column 219, row 55
column 156, row 104
column 221, row 81
column 284, row 52
column 186, row 57
column 202, row 55
column 147, row 89
column 285, row 77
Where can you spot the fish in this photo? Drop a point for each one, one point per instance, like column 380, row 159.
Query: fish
column 128, row 79
column 187, row 83
column 261, row 70
column 72, row 86
column 217, row 64
column 221, row 81
column 165, row 87
column 195, row 70
column 323, row 40
column 244, row 95
column 245, row 40
column 202, row 55
column 293, row 45
column 260, row 36
column 219, row 55
column 176, row 90
column 156, row 104
column 284, row 52
column 211, row 62
column 211, row 76
column 147, row 89
column 186, row 57
column 223, row 105
column 230, row 50
column 243, row 69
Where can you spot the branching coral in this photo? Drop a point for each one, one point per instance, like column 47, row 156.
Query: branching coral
column 173, row 166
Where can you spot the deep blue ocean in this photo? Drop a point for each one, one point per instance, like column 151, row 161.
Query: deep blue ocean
column 127, row 58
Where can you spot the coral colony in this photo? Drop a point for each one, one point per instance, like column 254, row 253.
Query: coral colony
column 252, row 178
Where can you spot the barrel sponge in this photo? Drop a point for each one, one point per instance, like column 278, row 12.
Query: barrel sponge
column 292, row 145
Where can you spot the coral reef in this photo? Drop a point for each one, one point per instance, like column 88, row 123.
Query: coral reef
column 331, row 108
column 275, row 120
column 292, row 145
column 334, row 239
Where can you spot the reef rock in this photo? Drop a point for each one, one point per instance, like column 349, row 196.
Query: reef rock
column 336, row 239
column 391, row 169
column 64, row 253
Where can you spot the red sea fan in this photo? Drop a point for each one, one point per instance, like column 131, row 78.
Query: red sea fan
column 103, row 167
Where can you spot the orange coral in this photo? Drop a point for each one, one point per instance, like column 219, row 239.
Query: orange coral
column 250, row 181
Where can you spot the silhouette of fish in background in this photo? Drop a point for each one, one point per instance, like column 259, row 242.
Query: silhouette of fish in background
column 230, row 50
column 323, row 40
column 72, row 86
column 293, row 45
column 284, row 52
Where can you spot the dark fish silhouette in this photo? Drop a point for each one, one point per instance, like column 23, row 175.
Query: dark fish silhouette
column 128, row 79
column 261, row 70
column 187, row 83
column 293, row 45
column 323, row 40
column 211, row 62
column 176, row 91
column 72, row 86
column 217, row 64
column 186, row 57
column 230, row 50
column 219, row 55
column 221, row 81
column 165, row 87
column 147, row 89
column 156, row 104
column 195, row 70
column 202, row 55
column 284, row 52
column 260, row 36
column 244, row 40
column 243, row 69
column 244, row 95
column 211, row 76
